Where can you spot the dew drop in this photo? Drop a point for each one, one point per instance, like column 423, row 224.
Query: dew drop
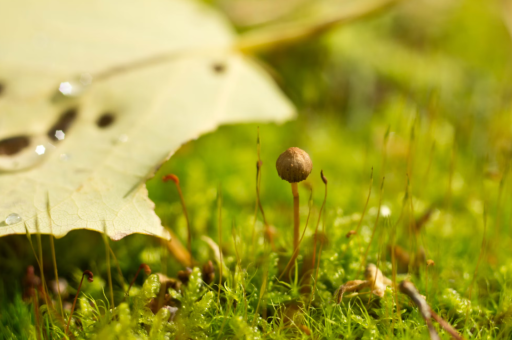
column 385, row 211
column 13, row 219
column 73, row 88
column 66, row 88
column 63, row 124
column 60, row 135
column 40, row 150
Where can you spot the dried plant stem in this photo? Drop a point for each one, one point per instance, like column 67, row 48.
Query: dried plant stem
column 413, row 232
column 482, row 250
column 448, row 201
column 430, row 158
column 56, row 274
column 296, row 222
column 365, row 206
column 90, row 279
column 262, row 293
column 259, row 206
column 498, row 204
column 176, row 181
column 385, row 151
column 109, row 274
column 317, row 267
column 35, row 301
column 446, row 326
column 363, row 258
column 41, row 263
column 293, row 33
column 393, row 271
column 410, row 149
column 377, row 266
column 410, row 290
column 319, row 217
column 147, row 270
column 239, row 263
column 54, row 258
column 34, row 291
column 119, row 272
column 219, row 226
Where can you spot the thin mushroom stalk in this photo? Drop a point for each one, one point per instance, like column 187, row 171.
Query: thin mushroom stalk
column 296, row 218
column 294, row 165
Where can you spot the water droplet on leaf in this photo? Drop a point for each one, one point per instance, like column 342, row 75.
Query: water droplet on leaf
column 66, row 88
column 13, row 219
column 60, row 135
column 40, row 150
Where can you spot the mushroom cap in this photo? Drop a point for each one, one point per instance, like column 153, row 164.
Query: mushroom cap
column 294, row 165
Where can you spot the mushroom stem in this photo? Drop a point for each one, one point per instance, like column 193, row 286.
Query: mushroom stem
column 296, row 221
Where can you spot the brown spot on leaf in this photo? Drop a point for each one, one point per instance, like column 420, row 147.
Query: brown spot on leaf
column 219, row 67
column 13, row 145
column 105, row 120
column 65, row 121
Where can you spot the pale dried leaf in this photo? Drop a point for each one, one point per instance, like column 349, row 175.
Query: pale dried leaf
column 349, row 287
column 165, row 69
column 377, row 280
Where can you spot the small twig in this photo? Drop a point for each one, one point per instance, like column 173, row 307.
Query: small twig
column 408, row 288
column 446, row 326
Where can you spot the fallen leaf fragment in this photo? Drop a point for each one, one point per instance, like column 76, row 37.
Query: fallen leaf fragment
column 96, row 97
column 349, row 287
column 375, row 280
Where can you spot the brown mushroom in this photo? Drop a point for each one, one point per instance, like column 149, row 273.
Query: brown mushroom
column 294, row 165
